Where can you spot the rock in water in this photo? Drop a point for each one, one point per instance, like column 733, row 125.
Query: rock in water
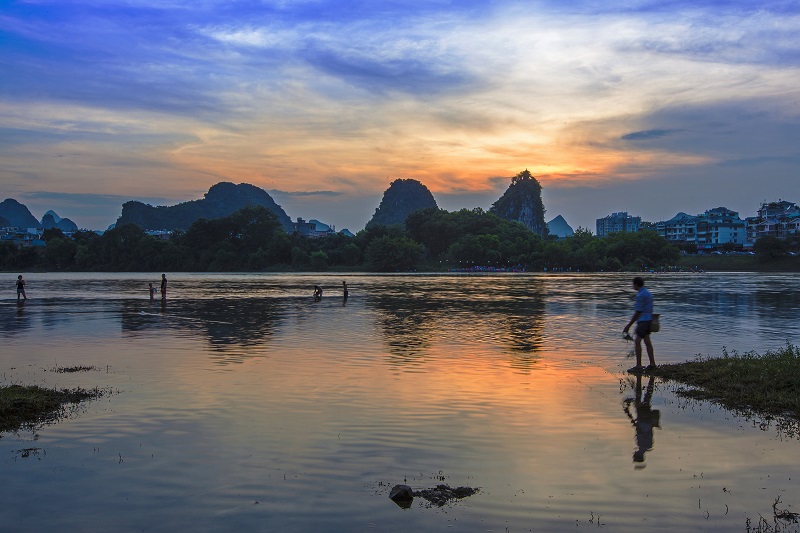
column 401, row 198
column 441, row 495
column 522, row 202
column 402, row 495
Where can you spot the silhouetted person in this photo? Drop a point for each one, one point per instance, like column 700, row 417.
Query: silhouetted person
column 317, row 292
column 163, row 286
column 643, row 317
column 21, row 288
column 645, row 420
column 344, row 290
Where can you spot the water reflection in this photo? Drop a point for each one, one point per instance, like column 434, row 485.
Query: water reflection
column 416, row 375
column 13, row 323
column 412, row 317
column 644, row 419
column 230, row 325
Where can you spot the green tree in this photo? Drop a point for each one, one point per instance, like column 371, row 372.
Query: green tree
column 390, row 254
column 60, row 253
column 53, row 233
column 770, row 247
column 300, row 259
column 319, row 261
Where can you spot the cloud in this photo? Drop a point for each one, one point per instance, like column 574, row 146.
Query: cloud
column 647, row 135
column 342, row 97
column 305, row 193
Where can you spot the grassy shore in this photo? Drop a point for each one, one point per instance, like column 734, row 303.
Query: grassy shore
column 768, row 383
column 24, row 407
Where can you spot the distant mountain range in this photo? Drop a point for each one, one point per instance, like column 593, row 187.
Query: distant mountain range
column 221, row 200
column 17, row 215
column 521, row 202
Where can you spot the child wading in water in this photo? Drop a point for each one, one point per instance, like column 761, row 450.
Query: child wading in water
column 21, row 288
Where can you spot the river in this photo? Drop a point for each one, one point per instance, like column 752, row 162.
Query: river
column 241, row 403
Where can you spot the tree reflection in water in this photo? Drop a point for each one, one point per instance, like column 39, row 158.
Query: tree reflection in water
column 230, row 325
column 412, row 317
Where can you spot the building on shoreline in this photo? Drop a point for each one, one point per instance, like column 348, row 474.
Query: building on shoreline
column 620, row 222
column 707, row 231
column 313, row 228
column 22, row 237
column 779, row 219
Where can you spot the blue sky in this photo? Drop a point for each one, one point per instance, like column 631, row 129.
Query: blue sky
column 649, row 107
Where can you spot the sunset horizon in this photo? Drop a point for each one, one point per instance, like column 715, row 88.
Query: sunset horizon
column 628, row 106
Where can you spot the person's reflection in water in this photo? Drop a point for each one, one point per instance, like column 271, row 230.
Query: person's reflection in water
column 645, row 419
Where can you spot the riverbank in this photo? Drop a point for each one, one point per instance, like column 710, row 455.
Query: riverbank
column 738, row 263
column 768, row 383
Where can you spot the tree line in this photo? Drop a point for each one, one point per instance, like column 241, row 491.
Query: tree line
column 253, row 239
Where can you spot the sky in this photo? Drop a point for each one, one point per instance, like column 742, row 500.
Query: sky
column 650, row 107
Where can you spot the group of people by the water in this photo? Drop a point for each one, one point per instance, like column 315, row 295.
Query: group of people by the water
column 318, row 292
column 163, row 289
column 642, row 316
column 152, row 289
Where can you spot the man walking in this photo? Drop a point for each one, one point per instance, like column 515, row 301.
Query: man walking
column 643, row 318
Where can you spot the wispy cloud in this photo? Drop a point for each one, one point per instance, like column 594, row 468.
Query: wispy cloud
column 306, row 193
column 647, row 134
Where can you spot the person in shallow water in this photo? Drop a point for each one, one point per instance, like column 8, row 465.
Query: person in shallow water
column 317, row 292
column 21, row 288
column 643, row 318
column 163, row 286
column 152, row 291
column 344, row 289
column 645, row 420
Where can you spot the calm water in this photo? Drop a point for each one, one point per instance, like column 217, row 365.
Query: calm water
column 242, row 404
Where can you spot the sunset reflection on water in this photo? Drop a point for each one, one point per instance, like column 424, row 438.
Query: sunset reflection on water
column 243, row 389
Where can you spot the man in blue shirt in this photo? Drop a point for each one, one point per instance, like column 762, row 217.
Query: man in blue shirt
column 643, row 317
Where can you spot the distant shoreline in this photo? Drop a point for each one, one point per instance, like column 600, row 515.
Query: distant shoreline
column 687, row 264
column 739, row 263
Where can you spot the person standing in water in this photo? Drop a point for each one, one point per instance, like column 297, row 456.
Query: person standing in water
column 152, row 291
column 643, row 318
column 344, row 290
column 163, row 286
column 21, row 288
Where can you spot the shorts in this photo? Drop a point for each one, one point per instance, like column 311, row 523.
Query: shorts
column 643, row 328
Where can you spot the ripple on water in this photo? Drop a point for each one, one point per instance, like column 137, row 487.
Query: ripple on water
column 243, row 403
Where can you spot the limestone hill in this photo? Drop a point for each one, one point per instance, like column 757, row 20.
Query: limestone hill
column 522, row 202
column 401, row 198
column 221, row 200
